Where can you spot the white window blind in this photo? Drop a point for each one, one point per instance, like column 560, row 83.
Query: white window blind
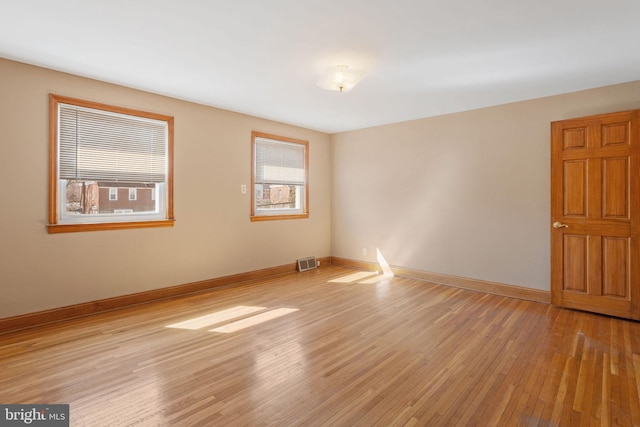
column 279, row 162
column 104, row 146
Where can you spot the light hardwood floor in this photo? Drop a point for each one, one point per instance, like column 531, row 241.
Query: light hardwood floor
column 352, row 350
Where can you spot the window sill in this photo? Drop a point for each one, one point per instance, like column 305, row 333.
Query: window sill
column 71, row 228
column 278, row 217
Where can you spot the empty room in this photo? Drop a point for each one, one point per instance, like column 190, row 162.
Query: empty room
column 306, row 213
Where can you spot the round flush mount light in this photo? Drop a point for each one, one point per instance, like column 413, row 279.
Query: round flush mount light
column 340, row 78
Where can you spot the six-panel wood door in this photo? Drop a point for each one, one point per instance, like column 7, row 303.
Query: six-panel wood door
column 594, row 214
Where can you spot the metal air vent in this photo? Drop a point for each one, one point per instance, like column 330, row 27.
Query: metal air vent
column 307, row 263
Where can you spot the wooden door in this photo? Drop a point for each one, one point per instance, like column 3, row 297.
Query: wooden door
column 594, row 214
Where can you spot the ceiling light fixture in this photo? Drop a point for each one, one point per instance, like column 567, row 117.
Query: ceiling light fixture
column 340, row 78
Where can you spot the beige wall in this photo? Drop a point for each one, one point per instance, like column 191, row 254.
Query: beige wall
column 212, row 236
column 463, row 194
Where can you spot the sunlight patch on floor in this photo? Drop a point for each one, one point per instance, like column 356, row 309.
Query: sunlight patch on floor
column 217, row 317
column 253, row 320
column 368, row 277
column 372, row 280
column 355, row 277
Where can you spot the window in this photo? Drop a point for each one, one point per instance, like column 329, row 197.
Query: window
column 280, row 177
column 95, row 149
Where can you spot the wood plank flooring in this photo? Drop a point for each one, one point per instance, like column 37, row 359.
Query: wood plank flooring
column 351, row 349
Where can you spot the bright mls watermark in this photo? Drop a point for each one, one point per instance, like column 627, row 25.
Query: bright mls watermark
column 34, row 415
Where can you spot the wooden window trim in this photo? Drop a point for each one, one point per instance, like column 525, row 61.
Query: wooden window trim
column 305, row 213
column 54, row 226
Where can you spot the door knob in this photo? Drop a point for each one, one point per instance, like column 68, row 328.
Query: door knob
column 559, row 225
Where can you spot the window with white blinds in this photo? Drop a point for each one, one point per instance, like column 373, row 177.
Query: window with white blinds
column 97, row 149
column 104, row 146
column 280, row 171
column 279, row 162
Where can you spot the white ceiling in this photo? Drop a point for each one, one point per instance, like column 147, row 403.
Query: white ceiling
column 263, row 57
